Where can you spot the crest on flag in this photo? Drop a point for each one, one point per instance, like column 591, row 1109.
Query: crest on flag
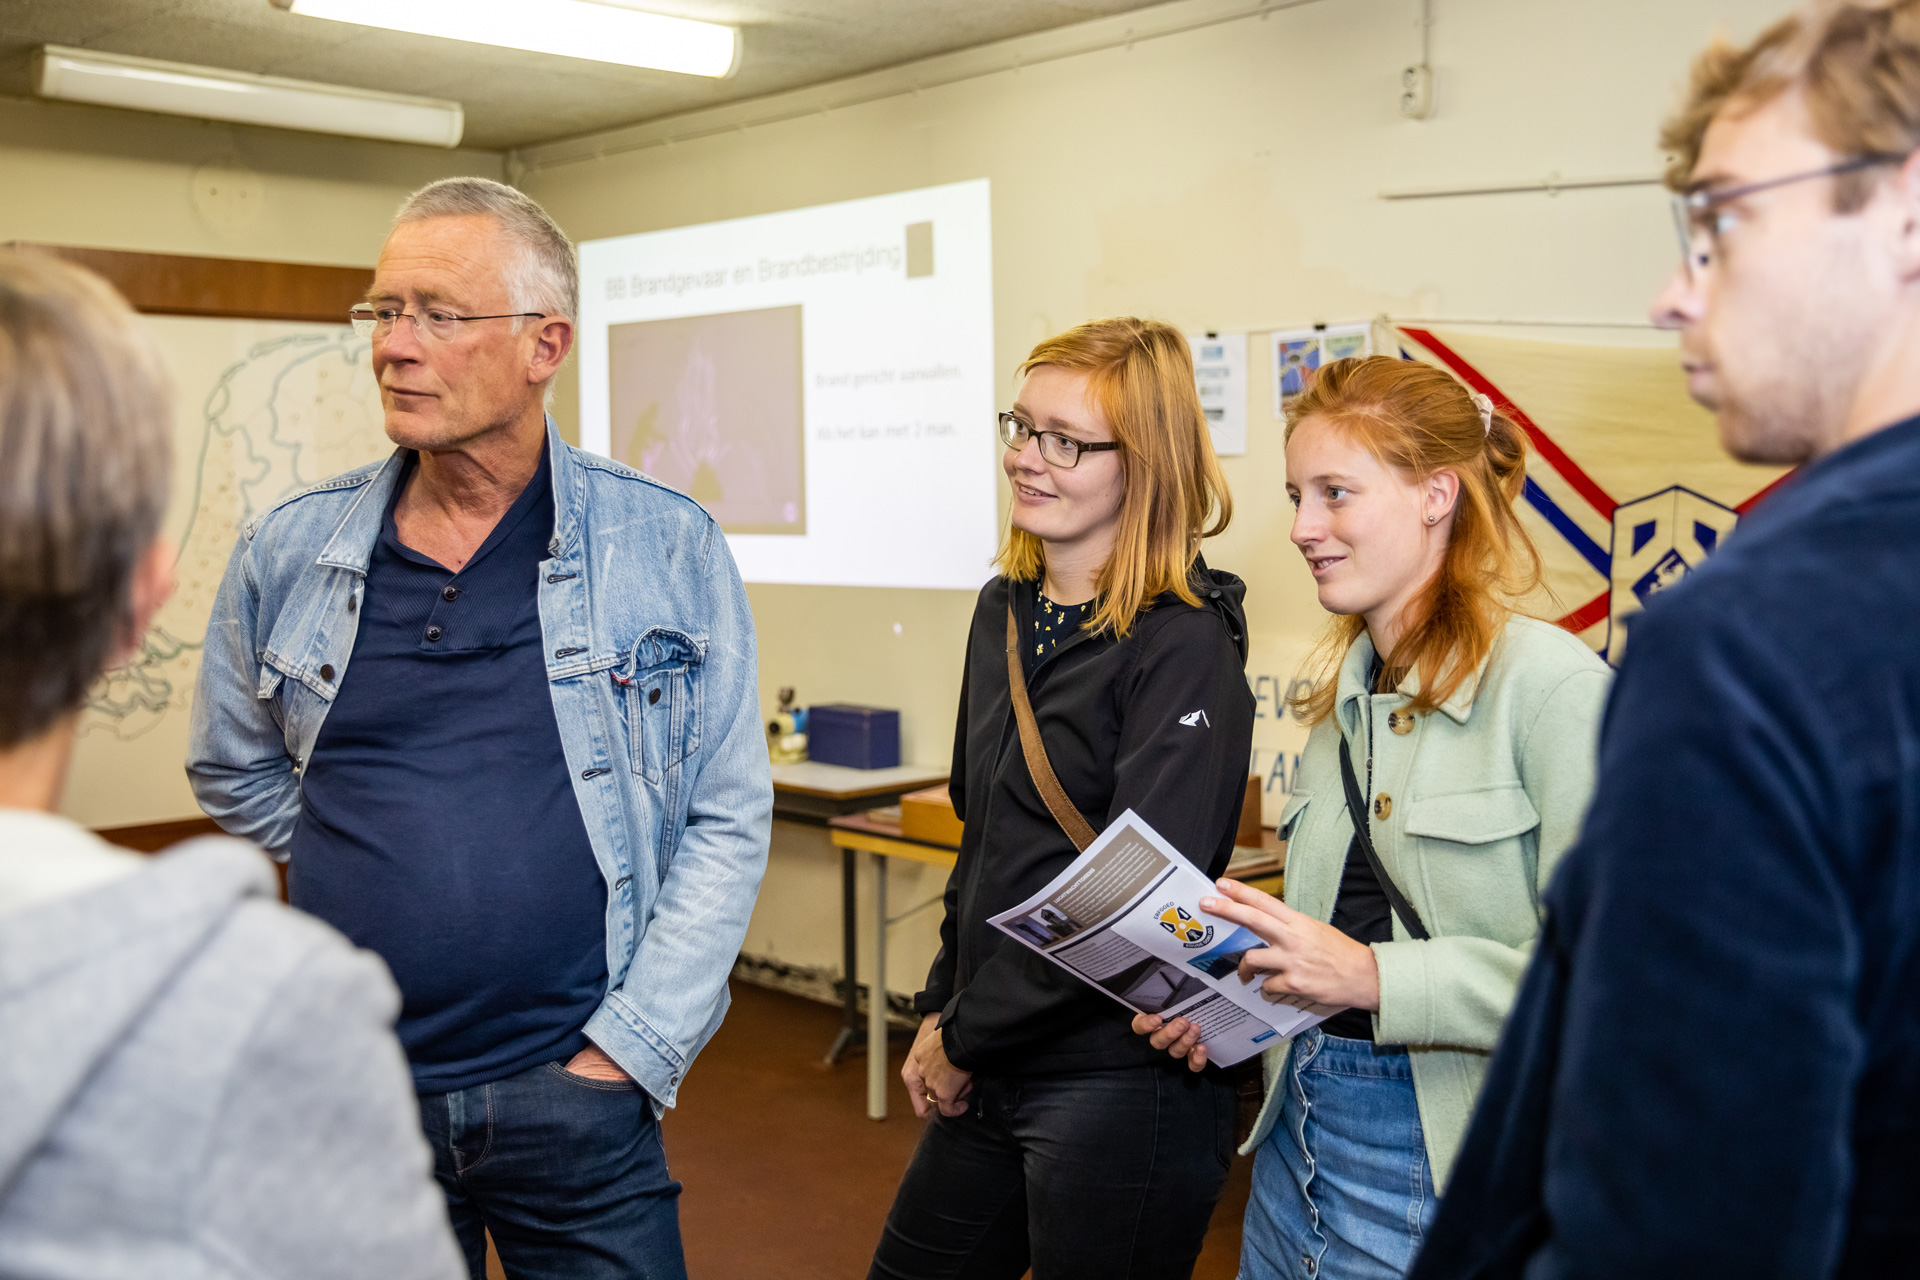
column 1657, row 540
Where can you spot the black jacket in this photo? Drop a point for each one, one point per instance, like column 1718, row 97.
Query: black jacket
column 1712, row 1069
column 1110, row 712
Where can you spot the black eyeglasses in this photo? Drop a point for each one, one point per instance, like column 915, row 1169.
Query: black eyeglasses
column 1059, row 450
column 435, row 322
column 1701, row 217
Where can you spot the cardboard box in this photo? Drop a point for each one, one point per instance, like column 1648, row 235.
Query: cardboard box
column 928, row 815
column 1248, row 836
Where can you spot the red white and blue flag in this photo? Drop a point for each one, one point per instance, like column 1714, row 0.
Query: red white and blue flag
column 1627, row 488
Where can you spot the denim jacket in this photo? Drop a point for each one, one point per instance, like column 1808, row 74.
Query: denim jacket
column 652, row 666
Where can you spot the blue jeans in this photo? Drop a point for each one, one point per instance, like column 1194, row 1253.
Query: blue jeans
column 1341, row 1188
column 567, row 1173
column 1111, row 1174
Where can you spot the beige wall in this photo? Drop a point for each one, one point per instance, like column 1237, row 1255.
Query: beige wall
column 125, row 180
column 1227, row 177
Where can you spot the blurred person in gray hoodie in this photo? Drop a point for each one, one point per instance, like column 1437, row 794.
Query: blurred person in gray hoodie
column 194, row 1080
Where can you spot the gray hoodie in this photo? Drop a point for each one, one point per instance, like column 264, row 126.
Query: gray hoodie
column 197, row 1082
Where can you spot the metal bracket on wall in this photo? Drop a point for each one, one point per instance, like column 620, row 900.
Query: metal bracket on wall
column 1553, row 184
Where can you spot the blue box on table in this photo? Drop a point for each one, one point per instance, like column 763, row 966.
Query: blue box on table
column 858, row 737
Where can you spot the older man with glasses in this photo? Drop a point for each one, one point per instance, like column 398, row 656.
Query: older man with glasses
column 494, row 701
column 1713, row 1068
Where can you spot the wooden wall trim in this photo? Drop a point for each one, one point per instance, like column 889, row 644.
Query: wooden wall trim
column 172, row 284
column 152, row 837
column 155, row 837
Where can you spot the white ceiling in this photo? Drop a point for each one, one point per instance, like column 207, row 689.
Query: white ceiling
column 514, row 99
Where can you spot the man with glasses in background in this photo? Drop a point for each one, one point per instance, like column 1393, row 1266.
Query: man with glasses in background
column 1713, row 1067
column 494, row 702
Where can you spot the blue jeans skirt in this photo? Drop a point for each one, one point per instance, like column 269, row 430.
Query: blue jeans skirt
column 1341, row 1187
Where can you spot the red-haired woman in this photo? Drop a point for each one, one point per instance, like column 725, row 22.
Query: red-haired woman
column 1453, row 736
column 1057, row 1139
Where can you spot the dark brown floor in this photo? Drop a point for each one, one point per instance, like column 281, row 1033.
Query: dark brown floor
column 786, row 1178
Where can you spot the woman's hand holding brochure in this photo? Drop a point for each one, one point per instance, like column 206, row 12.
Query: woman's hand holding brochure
column 1306, row 964
column 1312, row 965
column 1126, row 916
column 1178, row 1037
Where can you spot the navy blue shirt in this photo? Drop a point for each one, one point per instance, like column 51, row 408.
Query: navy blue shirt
column 1712, row 1068
column 438, row 826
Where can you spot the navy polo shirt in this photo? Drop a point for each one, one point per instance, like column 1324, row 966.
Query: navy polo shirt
column 438, row 826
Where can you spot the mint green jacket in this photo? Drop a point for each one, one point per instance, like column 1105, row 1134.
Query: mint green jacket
column 1473, row 806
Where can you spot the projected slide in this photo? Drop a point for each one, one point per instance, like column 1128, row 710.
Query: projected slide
column 676, row 382
column 820, row 380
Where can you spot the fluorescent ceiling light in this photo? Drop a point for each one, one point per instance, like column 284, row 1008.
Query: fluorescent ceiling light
column 178, row 88
column 569, row 28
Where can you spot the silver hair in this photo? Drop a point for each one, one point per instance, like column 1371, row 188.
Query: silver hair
column 545, row 275
column 86, row 458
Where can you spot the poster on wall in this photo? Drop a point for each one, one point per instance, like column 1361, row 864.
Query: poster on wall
column 1220, row 373
column 1300, row 353
column 1344, row 341
column 262, row 409
column 820, row 380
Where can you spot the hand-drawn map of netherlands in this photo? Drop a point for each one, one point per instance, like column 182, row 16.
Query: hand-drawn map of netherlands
column 263, row 409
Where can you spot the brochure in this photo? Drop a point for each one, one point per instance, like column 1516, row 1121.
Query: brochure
column 1125, row 916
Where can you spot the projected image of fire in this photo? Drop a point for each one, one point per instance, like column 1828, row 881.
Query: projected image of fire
column 712, row 406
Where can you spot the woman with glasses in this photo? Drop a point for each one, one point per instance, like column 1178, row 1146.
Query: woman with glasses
column 1449, row 766
column 1058, row 1140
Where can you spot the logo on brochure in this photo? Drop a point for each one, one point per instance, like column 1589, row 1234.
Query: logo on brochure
column 1179, row 922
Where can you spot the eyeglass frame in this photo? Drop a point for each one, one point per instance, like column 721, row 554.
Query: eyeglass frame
column 373, row 319
column 1011, row 422
column 1689, row 205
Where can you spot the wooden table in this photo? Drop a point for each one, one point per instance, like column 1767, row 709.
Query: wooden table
column 1263, row 868
column 878, row 835
column 815, row 793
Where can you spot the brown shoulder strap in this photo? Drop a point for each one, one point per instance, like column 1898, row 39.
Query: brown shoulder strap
column 1069, row 818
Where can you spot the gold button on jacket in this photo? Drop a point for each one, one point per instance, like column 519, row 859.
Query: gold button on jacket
column 1383, row 806
column 1400, row 722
